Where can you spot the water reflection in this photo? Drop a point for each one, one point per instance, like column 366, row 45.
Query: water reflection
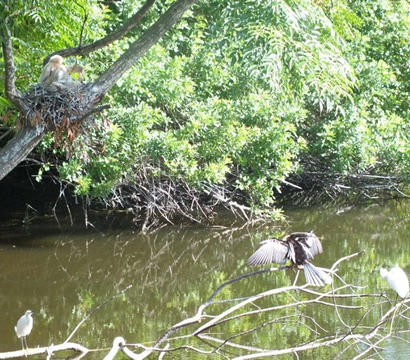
column 63, row 274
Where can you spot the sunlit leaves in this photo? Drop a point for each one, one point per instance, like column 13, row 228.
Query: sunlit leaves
column 234, row 102
column 370, row 132
column 239, row 93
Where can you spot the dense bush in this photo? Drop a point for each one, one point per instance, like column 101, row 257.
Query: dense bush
column 370, row 133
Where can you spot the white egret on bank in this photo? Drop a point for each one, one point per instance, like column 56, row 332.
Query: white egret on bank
column 23, row 327
column 397, row 280
column 299, row 248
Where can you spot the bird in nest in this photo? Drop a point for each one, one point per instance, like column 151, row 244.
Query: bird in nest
column 299, row 248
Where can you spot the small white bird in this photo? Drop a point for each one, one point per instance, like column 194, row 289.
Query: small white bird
column 23, row 327
column 397, row 280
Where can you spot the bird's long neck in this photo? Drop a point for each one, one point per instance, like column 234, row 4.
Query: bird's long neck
column 300, row 254
column 383, row 272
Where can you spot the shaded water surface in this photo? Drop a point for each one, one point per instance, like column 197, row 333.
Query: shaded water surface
column 61, row 275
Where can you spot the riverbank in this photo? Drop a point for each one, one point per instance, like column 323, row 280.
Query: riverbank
column 25, row 200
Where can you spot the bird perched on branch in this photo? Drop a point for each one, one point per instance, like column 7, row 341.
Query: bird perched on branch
column 23, row 327
column 397, row 280
column 299, row 248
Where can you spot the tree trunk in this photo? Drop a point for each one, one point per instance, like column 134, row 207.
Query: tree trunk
column 17, row 149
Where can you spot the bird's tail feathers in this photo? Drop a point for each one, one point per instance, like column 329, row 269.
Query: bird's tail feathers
column 315, row 276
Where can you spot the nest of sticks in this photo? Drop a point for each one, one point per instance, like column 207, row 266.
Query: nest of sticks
column 58, row 107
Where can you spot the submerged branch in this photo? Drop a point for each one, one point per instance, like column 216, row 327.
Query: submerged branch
column 45, row 350
column 96, row 309
column 324, row 185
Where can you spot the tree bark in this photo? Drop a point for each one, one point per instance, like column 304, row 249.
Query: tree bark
column 17, row 149
column 141, row 46
column 10, row 79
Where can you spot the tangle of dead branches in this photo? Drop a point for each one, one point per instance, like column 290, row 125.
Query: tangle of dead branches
column 158, row 200
column 318, row 185
column 155, row 199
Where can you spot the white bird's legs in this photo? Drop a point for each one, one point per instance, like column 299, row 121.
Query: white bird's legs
column 25, row 341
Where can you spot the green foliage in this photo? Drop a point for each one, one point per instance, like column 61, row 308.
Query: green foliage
column 41, row 27
column 371, row 132
column 239, row 93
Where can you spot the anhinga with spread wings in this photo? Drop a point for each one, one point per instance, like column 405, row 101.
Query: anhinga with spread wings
column 299, row 248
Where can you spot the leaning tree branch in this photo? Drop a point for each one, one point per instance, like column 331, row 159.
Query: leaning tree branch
column 17, row 149
column 107, row 40
column 141, row 46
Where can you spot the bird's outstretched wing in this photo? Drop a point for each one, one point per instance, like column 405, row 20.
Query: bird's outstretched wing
column 270, row 251
column 309, row 241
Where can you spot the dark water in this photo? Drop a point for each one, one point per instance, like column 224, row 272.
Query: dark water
column 62, row 275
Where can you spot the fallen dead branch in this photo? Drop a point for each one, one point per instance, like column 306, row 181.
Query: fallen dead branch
column 202, row 332
column 47, row 350
column 355, row 341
